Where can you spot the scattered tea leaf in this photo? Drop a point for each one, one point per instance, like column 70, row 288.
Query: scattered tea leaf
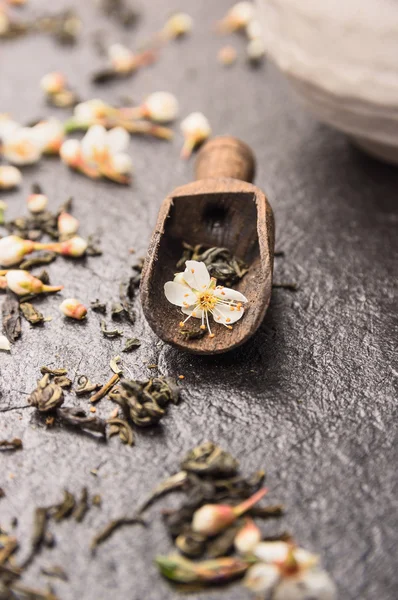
column 38, row 261
column 105, row 388
column 220, row 263
column 40, row 519
column 81, row 507
column 114, row 365
column 78, row 418
column 293, row 287
column 110, row 333
column 11, row 317
column 113, row 526
column 47, row 395
column 123, row 429
column 85, row 386
column 210, row 459
column 193, row 334
column 117, row 310
column 31, row 314
column 174, row 482
column 55, row 571
column 131, row 344
column 15, row 444
column 64, row 509
column 48, row 370
column 62, row 381
column 98, row 306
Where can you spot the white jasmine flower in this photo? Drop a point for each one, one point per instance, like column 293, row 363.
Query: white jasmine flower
column 237, row 17
column 92, row 111
column 53, row 83
column 73, row 309
column 7, row 126
column 22, row 283
column 103, row 151
column 177, row 25
column 161, row 107
column 10, row 177
column 50, row 134
column 262, row 579
column 22, row 147
column 122, row 58
column 4, row 344
column 196, row 129
column 314, row 584
column 70, row 153
column 198, row 295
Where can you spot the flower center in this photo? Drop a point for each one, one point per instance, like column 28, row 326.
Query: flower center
column 207, row 301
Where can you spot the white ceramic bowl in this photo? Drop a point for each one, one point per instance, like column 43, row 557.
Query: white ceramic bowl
column 342, row 58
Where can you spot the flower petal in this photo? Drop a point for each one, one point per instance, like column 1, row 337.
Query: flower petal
column 95, row 139
column 228, row 294
column 188, row 311
column 117, row 140
column 196, row 275
column 310, row 584
column 261, row 579
column 225, row 314
column 179, row 294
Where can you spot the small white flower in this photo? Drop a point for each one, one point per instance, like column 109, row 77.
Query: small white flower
column 313, row 583
column 73, row 309
column 92, row 111
column 7, row 126
column 161, row 107
column 37, row 202
column 53, row 83
column 177, row 25
column 237, row 17
column 70, row 153
column 261, row 579
column 122, row 58
column 50, row 134
column 67, row 224
column 10, row 177
column 4, row 343
column 103, row 151
column 196, row 129
column 198, row 295
column 278, row 552
column 22, row 147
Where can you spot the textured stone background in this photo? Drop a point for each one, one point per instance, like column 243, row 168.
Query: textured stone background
column 311, row 398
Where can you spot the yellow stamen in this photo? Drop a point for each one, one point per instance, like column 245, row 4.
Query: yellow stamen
column 181, row 323
column 211, row 335
column 202, row 327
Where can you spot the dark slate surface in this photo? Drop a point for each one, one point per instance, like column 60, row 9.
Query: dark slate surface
column 311, row 398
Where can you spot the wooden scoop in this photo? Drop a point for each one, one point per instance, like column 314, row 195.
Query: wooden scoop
column 219, row 209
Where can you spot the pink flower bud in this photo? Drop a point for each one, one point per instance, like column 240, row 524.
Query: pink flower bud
column 13, row 249
column 67, row 224
column 22, row 283
column 10, row 177
column 73, row 308
column 37, row 203
column 122, row 58
column 210, row 519
column 53, row 83
column 247, row 537
column 75, row 246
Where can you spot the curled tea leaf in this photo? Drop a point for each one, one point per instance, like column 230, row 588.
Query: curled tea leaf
column 114, row 365
column 11, row 317
column 210, row 459
column 85, row 386
column 110, row 333
column 46, row 396
column 123, row 429
column 81, row 506
column 31, row 314
column 78, row 418
column 50, row 371
column 113, row 526
column 14, row 444
column 98, row 306
column 131, row 344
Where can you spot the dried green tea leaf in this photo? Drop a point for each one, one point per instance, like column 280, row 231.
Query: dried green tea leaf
column 191, row 544
column 55, row 571
column 220, row 263
column 81, row 506
column 40, row 519
column 11, row 317
column 117, row 310
column 38, row 261
column 98, row 306
column 123, row 429
column 193, row 334
column 223, row 543
column 182, row 570
column 15, row 444
column 293, row 287
column 63, row 510
column 62, row 381
column 210, row 459
column 264, row 512
column 55, row 372
column 78, row 418
column 114, row 365
column 113, row 526
column 46, row 396
column 131, row 344
column 110, row 333
column 96, row 500
column 85, row 386
column 31, row 314
column 174, row 482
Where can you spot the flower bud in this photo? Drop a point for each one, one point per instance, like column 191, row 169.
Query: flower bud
column 177, row 25
column 182, row 570
column 161, row 107
column 22, row 283
column 313, row 583
column 238, row 17
column 90, row 111
column 261, row 579
column 210, row 519
column 254, row 29
column 22, row 147
column 75, row 246
column 10, row 177
column 67, row 224
column 73, row 308
column 247, row 538
column 122, row 58
column 70, row 153
column 37, row 202
column 196, row 129
column 13, row 249
column 53, row 83
column 50, row 135
column 227, row 56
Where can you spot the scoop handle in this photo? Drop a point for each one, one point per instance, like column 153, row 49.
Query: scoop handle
column 225, row 156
